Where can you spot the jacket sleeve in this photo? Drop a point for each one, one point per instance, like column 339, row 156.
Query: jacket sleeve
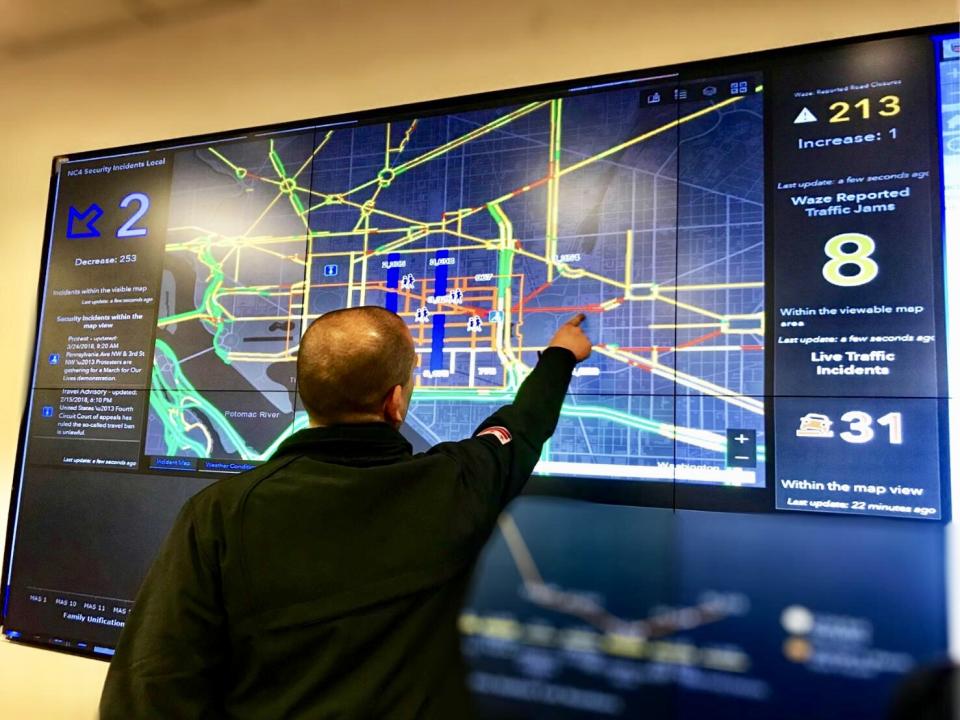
column 169, row 662
column 504, row 449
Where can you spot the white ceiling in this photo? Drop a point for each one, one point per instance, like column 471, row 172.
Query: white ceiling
column 39, row 27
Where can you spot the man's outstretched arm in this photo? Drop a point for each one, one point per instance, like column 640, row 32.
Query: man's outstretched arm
column 506, row 446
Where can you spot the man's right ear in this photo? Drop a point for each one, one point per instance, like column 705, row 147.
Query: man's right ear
column 393, row 406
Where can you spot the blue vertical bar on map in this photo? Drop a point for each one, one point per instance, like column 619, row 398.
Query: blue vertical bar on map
column 393, row 280
column 436, row 348
column 439, row 319
column 440, row 274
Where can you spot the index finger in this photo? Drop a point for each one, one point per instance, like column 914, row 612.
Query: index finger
column 576, row 319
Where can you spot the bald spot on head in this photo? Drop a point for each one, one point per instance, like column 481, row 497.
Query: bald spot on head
column 349, row 360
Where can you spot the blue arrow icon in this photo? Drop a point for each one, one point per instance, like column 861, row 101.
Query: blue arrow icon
column 86, row 220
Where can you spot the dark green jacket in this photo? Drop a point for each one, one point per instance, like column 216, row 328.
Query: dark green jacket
column 327, row 582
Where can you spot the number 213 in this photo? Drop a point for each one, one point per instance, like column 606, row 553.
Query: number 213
column 889, row 106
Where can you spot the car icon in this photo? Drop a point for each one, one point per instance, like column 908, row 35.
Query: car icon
column 815, row 425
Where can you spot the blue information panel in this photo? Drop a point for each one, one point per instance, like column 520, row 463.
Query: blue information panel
column 863, row 455
column 859, row 369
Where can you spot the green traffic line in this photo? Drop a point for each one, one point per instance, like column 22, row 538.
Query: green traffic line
column 183, row 386
column 595, row 412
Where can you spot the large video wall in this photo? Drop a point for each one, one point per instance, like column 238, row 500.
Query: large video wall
column 758, row 246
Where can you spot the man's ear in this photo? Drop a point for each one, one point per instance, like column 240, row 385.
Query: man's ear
column 393, row 406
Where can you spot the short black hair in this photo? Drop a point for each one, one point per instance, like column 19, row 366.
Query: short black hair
column 350, row 359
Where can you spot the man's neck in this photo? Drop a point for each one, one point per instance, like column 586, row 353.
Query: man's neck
column 350, row 420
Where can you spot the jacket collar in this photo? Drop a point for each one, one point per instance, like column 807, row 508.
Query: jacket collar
column 374, row 443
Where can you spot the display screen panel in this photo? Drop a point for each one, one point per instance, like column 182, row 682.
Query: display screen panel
column 692, row 613
column 758, row 244
column 484, row 230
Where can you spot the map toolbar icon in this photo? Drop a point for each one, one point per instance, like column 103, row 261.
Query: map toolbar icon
column 741, row 448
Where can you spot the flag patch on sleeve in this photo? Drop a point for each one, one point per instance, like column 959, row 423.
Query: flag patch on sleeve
column 499, row 432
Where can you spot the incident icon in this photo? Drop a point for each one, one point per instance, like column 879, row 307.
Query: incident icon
column 815, row 425
column 798, row 650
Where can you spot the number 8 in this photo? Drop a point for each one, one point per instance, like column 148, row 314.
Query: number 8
column 867, row 267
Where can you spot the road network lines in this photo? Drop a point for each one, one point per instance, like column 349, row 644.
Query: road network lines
column 379, row 233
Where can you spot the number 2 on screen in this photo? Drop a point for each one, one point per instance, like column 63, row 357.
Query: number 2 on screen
column 129, row 229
